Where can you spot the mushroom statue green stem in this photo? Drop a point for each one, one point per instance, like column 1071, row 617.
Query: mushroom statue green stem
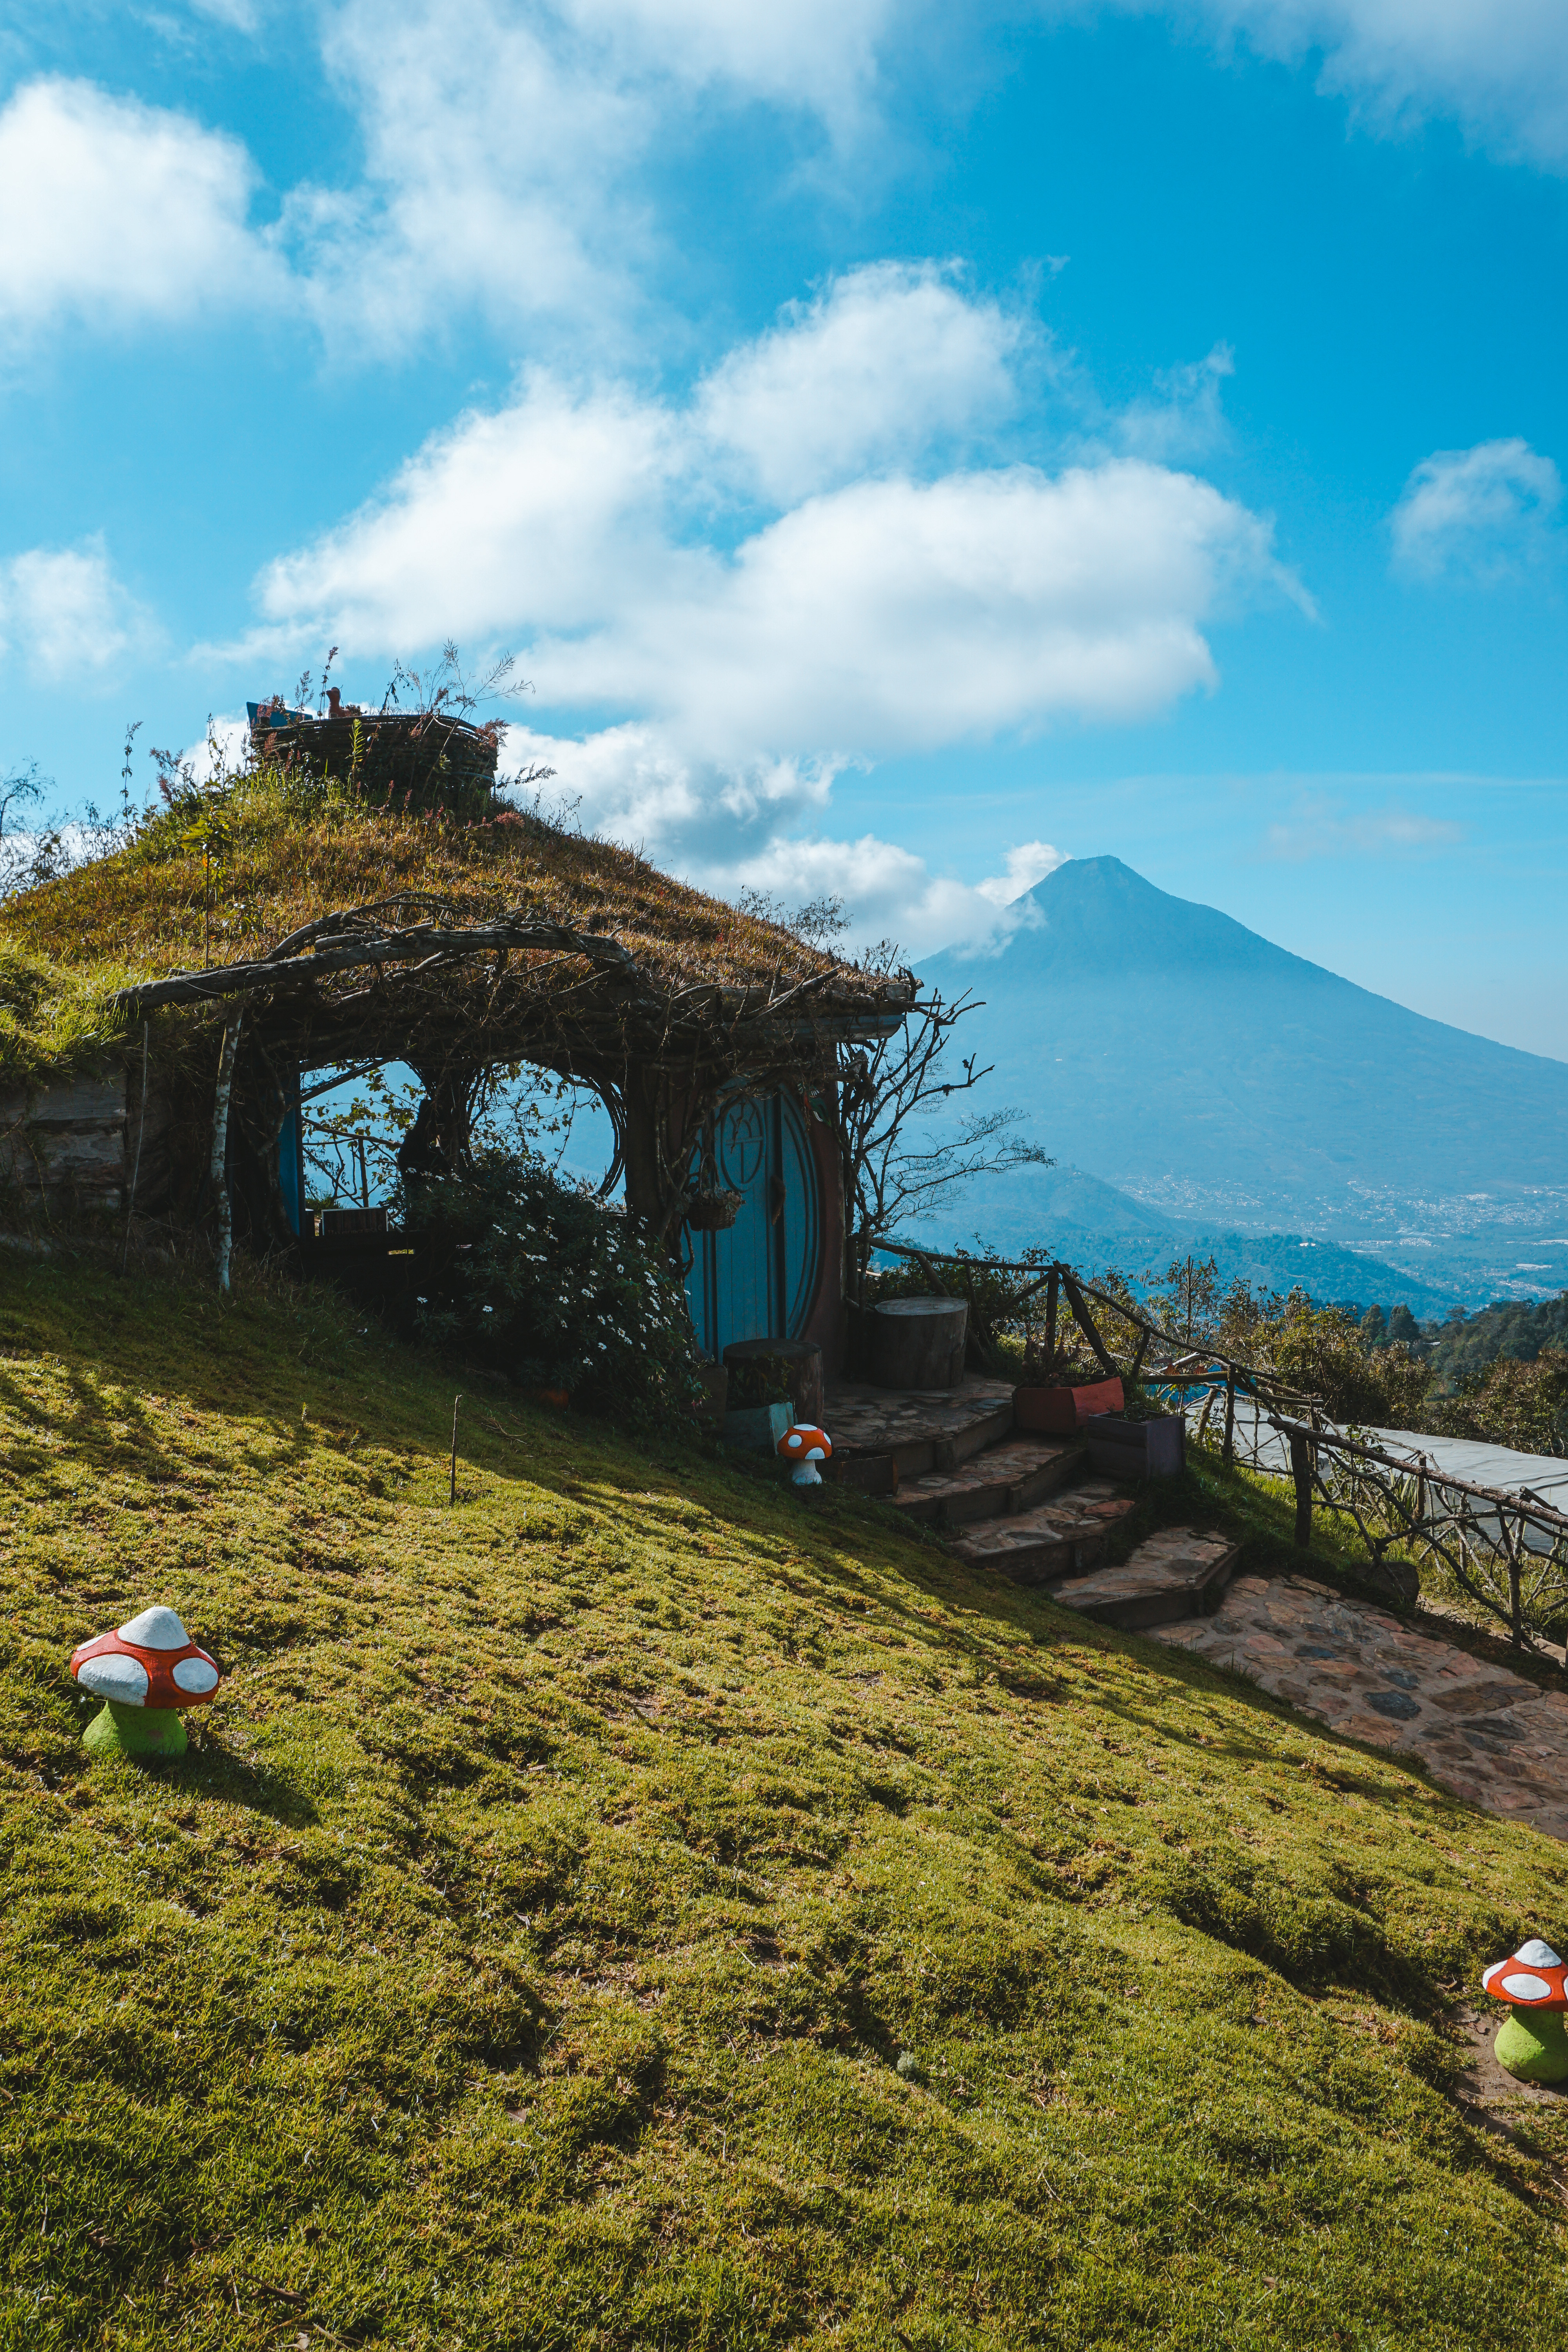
column 144, row 1673
column 1531, row 2044
column 117, row 1730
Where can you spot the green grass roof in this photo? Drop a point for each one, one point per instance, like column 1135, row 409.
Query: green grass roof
column 287, row 853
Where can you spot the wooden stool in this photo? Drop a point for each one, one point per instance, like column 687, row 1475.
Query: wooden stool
column 917, row 1343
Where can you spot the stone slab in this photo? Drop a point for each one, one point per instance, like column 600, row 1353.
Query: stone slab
column 1180, row 1572
column 923, row 1430
column 759, row 1429
column 1009, row 1476
column 1055, row 1540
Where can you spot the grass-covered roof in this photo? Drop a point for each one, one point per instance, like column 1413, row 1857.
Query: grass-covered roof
column 221, row 879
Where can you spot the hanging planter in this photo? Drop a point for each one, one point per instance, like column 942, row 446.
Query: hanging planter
column 712, row 1213
column 710, row 1207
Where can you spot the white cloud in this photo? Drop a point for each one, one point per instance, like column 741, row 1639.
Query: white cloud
column 816, row 55
column 1183, row 419
column 1499, row 68
column 514, row 517
column 113, row 211
column 1486, row 514
column 886, row 360
column 716, row 668
column 506, row 145
column 888, row 892
column 896, row 615
column 1028, row 863
column 1321, row 827
column 504, row 149
column 507, row 148
column 64, row 612
column 498, row 155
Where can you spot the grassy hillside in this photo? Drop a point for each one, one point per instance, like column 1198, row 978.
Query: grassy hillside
column 633, row 1909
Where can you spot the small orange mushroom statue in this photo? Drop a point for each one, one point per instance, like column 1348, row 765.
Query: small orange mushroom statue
column 1530, row 2041
column 804, row 1446
column 144, row 1674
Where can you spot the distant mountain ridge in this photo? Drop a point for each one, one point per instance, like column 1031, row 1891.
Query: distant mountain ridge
column 1097, row 1227
column 1222, row 1081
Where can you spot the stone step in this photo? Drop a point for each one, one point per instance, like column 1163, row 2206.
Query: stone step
column 1054, row 1540
column 917, row 1431
column 1009, row 1476
column 1180, row 1572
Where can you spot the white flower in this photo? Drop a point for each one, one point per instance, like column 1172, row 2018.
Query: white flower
column 487, row 1310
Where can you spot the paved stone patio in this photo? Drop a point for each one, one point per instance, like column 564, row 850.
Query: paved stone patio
column 1485, row 1734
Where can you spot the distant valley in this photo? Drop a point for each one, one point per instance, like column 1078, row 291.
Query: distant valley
column 1226, row 1093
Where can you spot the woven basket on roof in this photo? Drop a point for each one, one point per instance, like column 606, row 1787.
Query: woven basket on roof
column 423, row 759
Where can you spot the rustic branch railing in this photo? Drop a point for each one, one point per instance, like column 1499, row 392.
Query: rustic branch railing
column 1507, row 1552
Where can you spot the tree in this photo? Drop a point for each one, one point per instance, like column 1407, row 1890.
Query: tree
column 1521, row 1404
column 887, row 1094
column 22, row 788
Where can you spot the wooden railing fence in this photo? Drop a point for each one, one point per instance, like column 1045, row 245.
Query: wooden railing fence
column 1507, row 1552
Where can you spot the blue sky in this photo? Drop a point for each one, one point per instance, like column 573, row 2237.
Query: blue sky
column 899, row 450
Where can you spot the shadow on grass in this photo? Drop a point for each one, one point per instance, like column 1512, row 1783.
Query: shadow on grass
column 217, row 1772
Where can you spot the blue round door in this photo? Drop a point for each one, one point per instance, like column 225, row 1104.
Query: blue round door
column 757, row 1279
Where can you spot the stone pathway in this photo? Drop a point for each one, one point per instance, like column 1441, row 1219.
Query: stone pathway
column 1485, row 1734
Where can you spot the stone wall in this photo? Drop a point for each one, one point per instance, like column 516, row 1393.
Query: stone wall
column 69, row 1142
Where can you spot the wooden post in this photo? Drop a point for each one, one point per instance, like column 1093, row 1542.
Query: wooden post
column 1301, row 1471
column 1085, row 1322
column 1515, row 1595
column 219, row 1169
column 456, row 1401
column 1228, row 1454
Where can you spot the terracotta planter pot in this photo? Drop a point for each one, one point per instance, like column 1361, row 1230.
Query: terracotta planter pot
column 1061, row 1413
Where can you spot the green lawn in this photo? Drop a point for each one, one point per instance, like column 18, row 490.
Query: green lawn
column 636, row 1908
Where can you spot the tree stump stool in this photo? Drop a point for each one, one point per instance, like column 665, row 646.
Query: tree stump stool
column 917, row 1343
column 766, row 1372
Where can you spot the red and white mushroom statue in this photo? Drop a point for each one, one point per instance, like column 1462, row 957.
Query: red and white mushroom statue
column 804, row 1446
column 1530, row 2041
column 144, row 1674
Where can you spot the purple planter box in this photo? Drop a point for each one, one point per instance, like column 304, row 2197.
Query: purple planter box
column 1136, row 1449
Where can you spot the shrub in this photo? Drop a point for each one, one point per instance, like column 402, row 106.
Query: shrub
column 552, row 1286
column 1524, row 1406
column 1322, row 1349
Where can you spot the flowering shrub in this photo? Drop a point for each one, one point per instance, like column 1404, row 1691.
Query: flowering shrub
column 552, row 1286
